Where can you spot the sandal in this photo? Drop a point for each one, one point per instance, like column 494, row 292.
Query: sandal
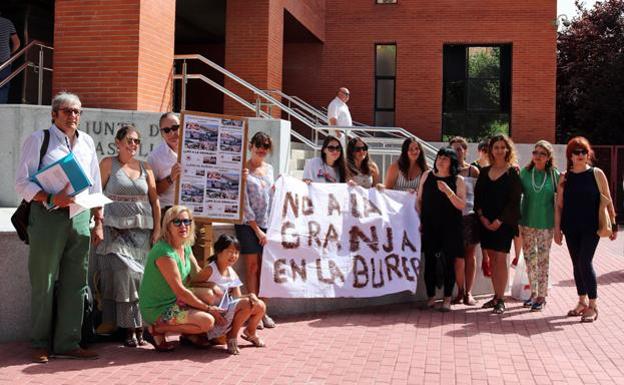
column 162, row 346
column 499, row 308
column 469, row 299
column 268, row 322
column 139, row 337
column 538, row 305
column 255, row 340
column 578, row 310
column 199, row 341
column 459, row 299
column 232, row 346
column 131, row 342
column 489, row 304
column 590, row 314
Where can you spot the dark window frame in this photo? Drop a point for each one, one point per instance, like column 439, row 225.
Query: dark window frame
column 381, row 2
column 505, row 90
column 385, row 77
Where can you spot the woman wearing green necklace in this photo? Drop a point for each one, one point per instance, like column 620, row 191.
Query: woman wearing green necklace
column 539, row 180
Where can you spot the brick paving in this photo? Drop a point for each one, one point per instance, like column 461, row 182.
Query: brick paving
column 396, row 344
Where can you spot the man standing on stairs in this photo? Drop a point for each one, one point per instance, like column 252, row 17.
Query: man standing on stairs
column 338, row 113
column 9, row 43
column 164, row 160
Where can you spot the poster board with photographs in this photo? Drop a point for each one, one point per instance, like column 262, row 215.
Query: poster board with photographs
column 212, row 153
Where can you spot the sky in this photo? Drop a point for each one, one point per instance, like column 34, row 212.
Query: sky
column 567, row 7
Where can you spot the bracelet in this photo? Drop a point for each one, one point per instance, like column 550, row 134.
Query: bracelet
column 169, row 179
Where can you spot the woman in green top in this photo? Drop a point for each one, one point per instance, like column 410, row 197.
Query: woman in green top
column 539, row 180
column 166, row 303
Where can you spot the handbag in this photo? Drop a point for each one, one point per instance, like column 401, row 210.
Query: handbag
column 604, row 220
column 19, row 219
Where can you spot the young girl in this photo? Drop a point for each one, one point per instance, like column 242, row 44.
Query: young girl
column 219, row 285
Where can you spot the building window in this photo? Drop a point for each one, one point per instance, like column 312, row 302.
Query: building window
column 386, row 1
column 385, row 81
column 476, row 100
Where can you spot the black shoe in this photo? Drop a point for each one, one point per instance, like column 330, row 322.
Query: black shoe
column 499, row 308
column 538, row 306
column 529, row 302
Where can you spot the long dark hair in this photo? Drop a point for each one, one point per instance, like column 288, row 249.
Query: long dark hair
column 365, row 167
column 404, row 160
column 339, row 164
column 450, row 153
column 223, row 242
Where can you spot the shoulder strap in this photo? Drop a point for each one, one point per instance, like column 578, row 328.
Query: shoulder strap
column 600, row 188
column 44, row 146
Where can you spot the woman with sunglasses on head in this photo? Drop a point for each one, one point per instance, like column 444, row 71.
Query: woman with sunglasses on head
column 252, row 233
column 497, row 202
column 167, row 304
column 131, row 226
column 361, row 170
column 440, row 200
column 576, row 217
column 404, row 174
column 539, row 185
column 466, row 263
column 329, row 167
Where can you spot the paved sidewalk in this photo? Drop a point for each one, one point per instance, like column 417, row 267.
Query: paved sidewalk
column 387, row 345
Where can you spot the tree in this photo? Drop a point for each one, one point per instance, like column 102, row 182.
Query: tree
column 590, row 74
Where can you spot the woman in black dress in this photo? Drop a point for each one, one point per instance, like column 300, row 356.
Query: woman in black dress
column 497, row 202
column 441, row 199
column 576, row 215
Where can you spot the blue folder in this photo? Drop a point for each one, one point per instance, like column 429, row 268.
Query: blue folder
column 76, row 175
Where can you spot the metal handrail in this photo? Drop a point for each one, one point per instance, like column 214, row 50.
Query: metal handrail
column 40, row 67
column 272, row 101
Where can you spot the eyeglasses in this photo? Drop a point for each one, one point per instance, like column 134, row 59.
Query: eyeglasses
column 70, row 111
column 539, row 153
column 173, row 128
column 360, row 148
column 579, row 151
column 346, row 93
column 179, row 222
column 266, row 146
column 333, row 148
column 136, row 141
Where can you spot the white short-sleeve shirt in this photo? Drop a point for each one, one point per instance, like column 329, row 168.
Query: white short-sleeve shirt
column 339, row 110
column 162, row 160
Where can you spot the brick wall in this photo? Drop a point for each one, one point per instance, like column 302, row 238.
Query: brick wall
column 115, row 53
column 420, row 29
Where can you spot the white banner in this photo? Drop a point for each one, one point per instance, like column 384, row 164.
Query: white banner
column 332, row 240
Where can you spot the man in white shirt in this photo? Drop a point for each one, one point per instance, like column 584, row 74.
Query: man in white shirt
column 338, row 112
column 59, row 245
column 9, row 43
column 164, row 160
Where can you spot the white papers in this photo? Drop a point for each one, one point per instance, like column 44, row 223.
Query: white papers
column 85, row 201
column 54, row 179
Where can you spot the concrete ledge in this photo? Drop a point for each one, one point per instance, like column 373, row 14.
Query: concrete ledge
column 15, row 287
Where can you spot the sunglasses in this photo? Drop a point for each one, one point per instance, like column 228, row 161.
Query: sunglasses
column 179, row 222
column 579, row 151
column 333, row 148
column 265, row 146
column 173, row 128
column 70, row 111
column 136, row 141
column 360, row 148
column 539, row 153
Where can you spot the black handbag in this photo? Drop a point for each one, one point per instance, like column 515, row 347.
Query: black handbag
column 20, row 216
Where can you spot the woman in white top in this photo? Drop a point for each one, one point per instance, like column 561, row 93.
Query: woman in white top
column 361, row 170
column 219, row 285
column 329, row 167
column 466, row 264
column 404, row 174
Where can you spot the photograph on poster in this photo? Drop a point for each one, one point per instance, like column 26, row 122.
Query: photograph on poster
column 210, row 159
column 198, row 210
column 201, row 137
column 232, row 123
column 231, row 208
column 222, row 186
column 231, row 141
column 192, row 193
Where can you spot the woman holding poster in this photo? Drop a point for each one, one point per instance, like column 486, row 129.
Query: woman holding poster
column 440, row 200
column 497, row 202
column 252, row 233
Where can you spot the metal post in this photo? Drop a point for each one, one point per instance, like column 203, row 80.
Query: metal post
column 258, row 106
column 184, row 79
column 40, row 78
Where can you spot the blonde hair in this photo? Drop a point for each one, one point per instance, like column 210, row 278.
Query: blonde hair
column 172, row 214
column 510, row 157
column 550, row 163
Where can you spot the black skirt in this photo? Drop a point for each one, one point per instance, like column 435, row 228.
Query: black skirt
column 499, row 240
column 248, row 240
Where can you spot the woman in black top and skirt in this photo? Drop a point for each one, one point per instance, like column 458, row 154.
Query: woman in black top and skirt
column 497, row 202
column 576, row 215
column 441, row 198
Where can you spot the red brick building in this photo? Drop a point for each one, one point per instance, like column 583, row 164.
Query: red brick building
column 434, row 68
